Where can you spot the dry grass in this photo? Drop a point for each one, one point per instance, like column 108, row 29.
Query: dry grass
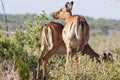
column 7, row 71
column 102, row 43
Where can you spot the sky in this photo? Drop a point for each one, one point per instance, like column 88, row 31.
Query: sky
column 109, row 9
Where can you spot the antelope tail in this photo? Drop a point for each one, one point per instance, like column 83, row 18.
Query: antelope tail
column 80, row 34
column 48, row 36
column 80, row 29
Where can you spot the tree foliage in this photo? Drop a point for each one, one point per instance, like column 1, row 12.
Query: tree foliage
column 17, row 22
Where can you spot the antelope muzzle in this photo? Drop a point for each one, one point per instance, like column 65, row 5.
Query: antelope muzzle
column 56, row 15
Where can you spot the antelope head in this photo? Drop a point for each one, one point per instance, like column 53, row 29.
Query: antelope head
column 64, row 12
column 108, row 57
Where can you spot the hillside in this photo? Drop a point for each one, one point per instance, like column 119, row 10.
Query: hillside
column 17, row 22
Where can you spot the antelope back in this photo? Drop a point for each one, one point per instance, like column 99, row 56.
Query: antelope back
column 52, row 34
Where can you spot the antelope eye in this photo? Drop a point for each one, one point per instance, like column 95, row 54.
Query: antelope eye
column 60, row 9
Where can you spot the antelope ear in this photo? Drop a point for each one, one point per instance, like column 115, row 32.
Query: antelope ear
column 66, row 5
column 104, row 56
column 110, row 56
column 72, row 2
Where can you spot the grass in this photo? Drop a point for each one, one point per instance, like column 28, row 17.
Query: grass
column 103, row 43
column 83, row 68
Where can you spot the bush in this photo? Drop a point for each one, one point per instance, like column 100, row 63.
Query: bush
column 82, row 68
column 23, row 48
column 7, row 71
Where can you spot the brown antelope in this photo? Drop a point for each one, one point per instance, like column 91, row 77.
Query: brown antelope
column 51, row 38
column 75, row 33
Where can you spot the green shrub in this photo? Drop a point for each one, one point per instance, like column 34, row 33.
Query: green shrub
column 82, row 68
column 23, row 48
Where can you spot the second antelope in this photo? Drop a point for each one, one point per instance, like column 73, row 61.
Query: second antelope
column 75, row 33
column 51, row 38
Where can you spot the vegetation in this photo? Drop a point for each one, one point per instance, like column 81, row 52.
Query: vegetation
column 19, row 53
column 82, row 68
column 17, row 22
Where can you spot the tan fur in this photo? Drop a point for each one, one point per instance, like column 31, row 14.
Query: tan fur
column 76, row 30
column 75, row 33
column 51, row 38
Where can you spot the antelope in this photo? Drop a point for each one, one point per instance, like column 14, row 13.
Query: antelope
column 51, row 38
column 75, row 33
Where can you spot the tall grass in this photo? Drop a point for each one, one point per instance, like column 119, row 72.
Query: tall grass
column 101, row 43
column 7, row 71
column 82, row 68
